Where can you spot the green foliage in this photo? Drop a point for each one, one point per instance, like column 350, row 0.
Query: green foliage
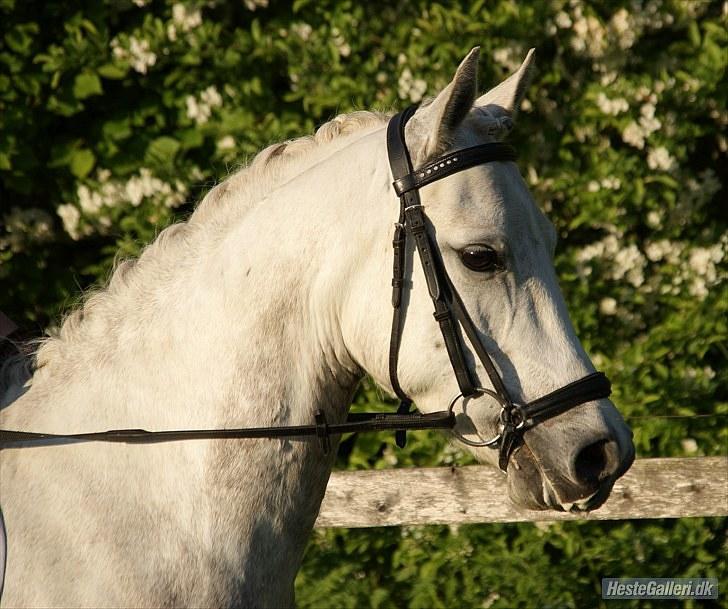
column 503, row 566
column 116, row 118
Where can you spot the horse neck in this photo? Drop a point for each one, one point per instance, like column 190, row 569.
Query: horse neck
column 239, row 329
column 208, row 323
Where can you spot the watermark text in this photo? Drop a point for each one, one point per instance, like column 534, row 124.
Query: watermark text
column 668, row 588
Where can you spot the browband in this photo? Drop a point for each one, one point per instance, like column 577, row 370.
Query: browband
column 452, row 163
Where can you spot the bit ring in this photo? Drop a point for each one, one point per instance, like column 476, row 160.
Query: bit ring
column 493, row 442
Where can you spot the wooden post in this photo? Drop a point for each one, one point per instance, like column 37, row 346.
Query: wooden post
column 653, row 488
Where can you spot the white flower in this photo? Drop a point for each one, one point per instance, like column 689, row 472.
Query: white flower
column 117, row 50
column 140, row 57
column 23, row 226
column 654, row 219
column 184, row 18
column 251, row 5
column 201, row 110
column 703, row 261
column 659, row 158
column 608, row 306
column 689, row 445
column 608, row 78
column 611, row 183
column 200, row 113
column 648, row 110
column 340, row 43
column 411, row 88
column 589, row 36
column 90, row 201
column 148, row 186
column 620, row 21
column 700, row 260
column 211, row 97
column 623, row 28
column 629, row 263
column 656, row 250
column 302, row 30
column 226, row 143
column 611, row 106
column 70, row 215
column 649, row 124
column 634, row 135
column 134, row 191
column 508, row 57
column 699, row 288
column 593, row 186
column 563, row 20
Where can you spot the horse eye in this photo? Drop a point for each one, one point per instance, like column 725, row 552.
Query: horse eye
column 481, row 258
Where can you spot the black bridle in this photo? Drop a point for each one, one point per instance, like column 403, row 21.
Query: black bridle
column 450, row 313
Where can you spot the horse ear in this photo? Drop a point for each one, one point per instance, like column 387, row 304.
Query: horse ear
column 506, row 98
column 433, row 125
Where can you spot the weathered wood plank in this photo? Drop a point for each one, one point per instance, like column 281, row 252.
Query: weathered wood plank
column 653, row 488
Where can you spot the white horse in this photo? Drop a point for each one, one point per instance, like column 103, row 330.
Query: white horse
column 269, row 304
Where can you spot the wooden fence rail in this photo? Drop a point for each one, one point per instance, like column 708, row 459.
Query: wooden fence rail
column 653, row 488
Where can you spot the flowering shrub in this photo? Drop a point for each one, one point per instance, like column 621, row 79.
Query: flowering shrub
column 116, row 118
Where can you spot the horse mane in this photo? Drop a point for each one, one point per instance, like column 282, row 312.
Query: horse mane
column 270, row 168
column 278, row 163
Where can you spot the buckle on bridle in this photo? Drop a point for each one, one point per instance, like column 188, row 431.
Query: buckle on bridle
column 513, row 415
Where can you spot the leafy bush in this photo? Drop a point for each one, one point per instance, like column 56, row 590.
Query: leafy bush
column 116, row 117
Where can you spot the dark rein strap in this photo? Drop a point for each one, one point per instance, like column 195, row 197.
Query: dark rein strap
column 355, row 423
column 592, row 387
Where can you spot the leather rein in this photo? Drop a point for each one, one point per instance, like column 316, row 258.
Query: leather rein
column 450, row 313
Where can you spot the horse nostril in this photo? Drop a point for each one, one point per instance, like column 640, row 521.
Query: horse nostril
column 595, row 462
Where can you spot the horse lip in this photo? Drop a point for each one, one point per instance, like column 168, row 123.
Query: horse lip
column 549, row 498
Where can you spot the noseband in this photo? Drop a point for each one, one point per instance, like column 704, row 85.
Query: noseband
column 450, row 312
